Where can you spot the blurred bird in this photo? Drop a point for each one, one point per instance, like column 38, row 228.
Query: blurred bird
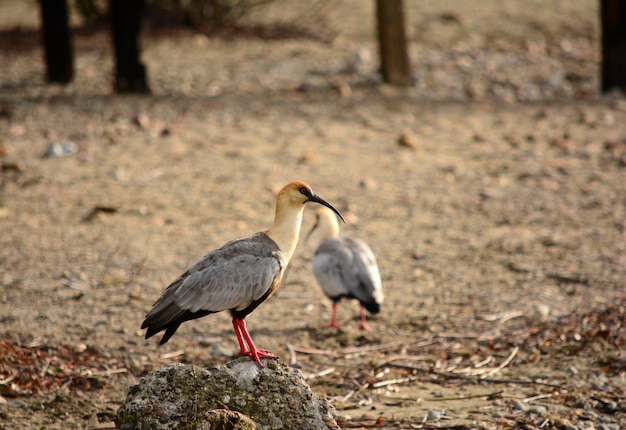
column 345, row 267
column 237, row 277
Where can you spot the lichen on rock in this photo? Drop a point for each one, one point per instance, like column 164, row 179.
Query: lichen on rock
column 177, row 396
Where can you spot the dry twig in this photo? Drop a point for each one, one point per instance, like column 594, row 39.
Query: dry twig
column 172, row 354
column 9, row 378
column 391, row 382
column 292, row 354
column 504, row 363
column 319, row 374
column 473, row 396
column 452, row 375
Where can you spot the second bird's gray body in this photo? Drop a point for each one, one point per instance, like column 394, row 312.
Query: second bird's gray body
column 346, row 267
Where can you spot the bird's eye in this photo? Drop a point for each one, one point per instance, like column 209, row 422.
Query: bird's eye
column 305, row 191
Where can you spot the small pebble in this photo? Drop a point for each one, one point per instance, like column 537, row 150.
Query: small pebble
column 209, row 341
column 588, row 414
column 407, row 140
column 433, row 416
column 611, row 426
column 541, row 311
column 59, row 149
column 608, row 406
column 221, row 351
column 563, row 424
column 142, row 120
column 368, row 184
column 537, row 410
column 519, row 406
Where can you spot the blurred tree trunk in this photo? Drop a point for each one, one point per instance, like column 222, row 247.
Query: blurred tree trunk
column 613, row 24
column 130, row 73
column 394, row 55
column 57, row 41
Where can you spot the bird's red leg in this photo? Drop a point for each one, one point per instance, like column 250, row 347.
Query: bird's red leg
column 364, row 325
column 251, row 351
column 333, row 318
column 242, row 344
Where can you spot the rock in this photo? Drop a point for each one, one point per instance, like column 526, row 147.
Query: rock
column 407, row 140
column 433, row 416
column 541, row 312
column 563, row 424
column 218, row 419
column 537, row 410
column 218, row 350
column 178, row 396
column 209, row 340
column 142, row 121
column 611, row 426
column 519, row 406
column 60, row 149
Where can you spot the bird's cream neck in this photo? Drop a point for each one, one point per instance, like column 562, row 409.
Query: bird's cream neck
column 285, row 230
column 328, row 225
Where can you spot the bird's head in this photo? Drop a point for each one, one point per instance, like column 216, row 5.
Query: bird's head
column 290, row 202
column 298, row 193
column 326, row 223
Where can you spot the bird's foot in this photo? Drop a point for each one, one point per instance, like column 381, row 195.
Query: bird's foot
column 264, row 352
column 365, row 326
column 333, row 323
column 257, row 355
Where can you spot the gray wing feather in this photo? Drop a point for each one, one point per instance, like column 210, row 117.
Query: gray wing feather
column 227, row 283
column 230, row 277
column 347, row 266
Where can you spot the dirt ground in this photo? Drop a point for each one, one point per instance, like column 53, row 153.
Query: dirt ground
column 493, row 193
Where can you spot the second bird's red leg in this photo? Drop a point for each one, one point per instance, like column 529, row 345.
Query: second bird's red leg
column 333, row 318
column 364, row 324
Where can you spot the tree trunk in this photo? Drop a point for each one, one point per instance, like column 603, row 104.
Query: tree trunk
column 57, row 41
column 613, row 22
column 394, row 56
column 130, row 73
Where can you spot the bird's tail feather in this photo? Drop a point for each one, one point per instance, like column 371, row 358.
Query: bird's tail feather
column 372, row 307
column 156, row 325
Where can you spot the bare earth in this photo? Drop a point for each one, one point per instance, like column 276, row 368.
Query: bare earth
column 493, row 193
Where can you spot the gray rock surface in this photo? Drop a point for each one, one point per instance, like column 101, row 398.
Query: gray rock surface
column 181, row 397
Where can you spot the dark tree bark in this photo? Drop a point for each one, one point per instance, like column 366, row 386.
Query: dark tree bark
column 57, row 41
column 130, row 73
column 613, row 23
column 394, row 56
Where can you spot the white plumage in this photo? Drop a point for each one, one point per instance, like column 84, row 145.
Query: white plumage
column 346, row 267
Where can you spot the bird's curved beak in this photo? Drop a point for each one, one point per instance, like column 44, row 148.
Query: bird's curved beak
column 313, row 198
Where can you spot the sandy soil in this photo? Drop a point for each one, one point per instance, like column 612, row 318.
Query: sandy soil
column 493, row 194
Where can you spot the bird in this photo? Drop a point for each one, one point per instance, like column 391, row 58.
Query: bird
column 345, row 267
column 237, row 277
